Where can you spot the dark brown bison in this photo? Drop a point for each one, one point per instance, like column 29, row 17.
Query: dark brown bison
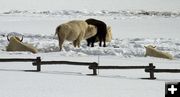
column 101, row 32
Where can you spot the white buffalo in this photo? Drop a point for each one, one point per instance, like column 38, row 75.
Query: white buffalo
column 76, row 31
column 15, row 44
column 152, row 51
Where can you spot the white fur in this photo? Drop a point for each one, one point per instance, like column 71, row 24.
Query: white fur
column 151, row 51
column 16, row 45
column 109, row 34
column 75, row 31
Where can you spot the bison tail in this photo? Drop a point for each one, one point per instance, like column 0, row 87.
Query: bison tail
column 57, row 30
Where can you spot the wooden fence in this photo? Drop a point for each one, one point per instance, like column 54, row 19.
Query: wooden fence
column 151, row 69
column 34, row 60
column 154, row 70
column 39, row 63
column 123, row 67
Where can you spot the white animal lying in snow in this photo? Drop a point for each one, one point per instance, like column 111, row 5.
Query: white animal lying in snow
column 15, row 44
column 151, row 51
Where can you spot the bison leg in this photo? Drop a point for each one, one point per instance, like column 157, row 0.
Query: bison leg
column 78, row 42
column 104, row 40
column 61, row 40
column 92, row 44
column 80, row 37
column 74, row 43
column 88, row 42
column 60, row 44
column 100, row 41
column 91, row 41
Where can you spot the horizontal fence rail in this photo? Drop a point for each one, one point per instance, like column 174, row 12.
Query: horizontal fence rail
column 35, row 60
column 17, row 60
column 95, row 67
column 164, row 70
column 38, row 63
column 66, row 62
column 118, row 67
column 151, row 69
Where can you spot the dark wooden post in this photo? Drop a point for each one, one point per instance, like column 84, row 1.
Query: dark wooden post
column 151, row 71
column 38, row 62
column 95, row 65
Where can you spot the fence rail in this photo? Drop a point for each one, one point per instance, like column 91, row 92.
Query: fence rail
column 18, row 60
column 119, row 67
column 164, row 70
column 38, row 63
column 95, row 67
column 151, row 69
column 65, row 62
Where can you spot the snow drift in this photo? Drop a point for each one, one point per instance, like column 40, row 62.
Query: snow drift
column 128, row 47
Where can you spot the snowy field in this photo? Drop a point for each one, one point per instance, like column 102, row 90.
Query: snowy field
column 134, row 24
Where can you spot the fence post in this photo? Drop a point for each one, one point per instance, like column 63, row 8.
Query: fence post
column 38, row 61
column 151, row 71
column 95, row 65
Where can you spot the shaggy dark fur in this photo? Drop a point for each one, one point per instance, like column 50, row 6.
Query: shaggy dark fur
column 101, row 32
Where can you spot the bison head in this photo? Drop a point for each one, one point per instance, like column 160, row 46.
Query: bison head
column 150, row 46
column 15, row 37
column 90, row 31
column 16, row 44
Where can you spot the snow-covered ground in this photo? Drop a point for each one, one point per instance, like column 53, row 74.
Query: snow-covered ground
column 170, row 5
column 134, row 24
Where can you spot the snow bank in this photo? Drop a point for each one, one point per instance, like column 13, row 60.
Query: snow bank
column 128, row 47
column 92, row 13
